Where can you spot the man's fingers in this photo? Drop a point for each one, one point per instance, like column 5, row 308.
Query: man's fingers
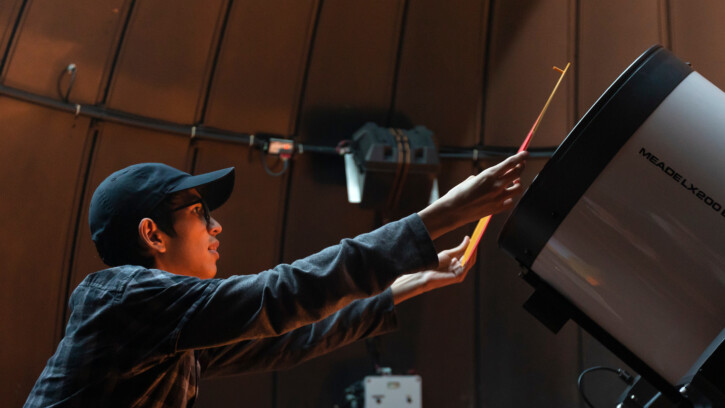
column 515, row 188
column 510, row 195
column 459, row 250
column 513, row 191
column 507, row 204
column 464, row 243
column 458, row 270
column 512, row 175
column 509, row 163
column 519, row 167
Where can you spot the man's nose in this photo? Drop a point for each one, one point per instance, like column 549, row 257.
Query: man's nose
column 214, row 226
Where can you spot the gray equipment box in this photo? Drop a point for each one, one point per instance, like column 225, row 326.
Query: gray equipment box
column 393, row 391
column 396, row 167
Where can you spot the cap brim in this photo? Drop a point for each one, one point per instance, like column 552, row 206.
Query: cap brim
column 215, row 187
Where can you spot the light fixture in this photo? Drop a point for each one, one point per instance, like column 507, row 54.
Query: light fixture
column 392, row 168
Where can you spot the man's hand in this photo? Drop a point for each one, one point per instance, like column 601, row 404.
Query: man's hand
column 449, row 271
column 491, row 191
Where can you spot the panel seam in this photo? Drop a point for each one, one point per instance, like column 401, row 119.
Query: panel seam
column 206, row 93
column 398, row 58
column 12, row 37
column 80, row 200
column 117, row 54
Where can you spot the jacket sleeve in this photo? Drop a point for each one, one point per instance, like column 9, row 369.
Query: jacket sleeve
column 360, row 319
column 290, row 296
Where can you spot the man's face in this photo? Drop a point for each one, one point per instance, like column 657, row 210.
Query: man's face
column 194, row 249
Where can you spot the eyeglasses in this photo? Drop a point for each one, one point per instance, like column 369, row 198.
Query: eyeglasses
column 204, row 210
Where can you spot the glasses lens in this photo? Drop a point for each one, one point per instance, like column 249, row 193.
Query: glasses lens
column 204, row 209
column 207, row 216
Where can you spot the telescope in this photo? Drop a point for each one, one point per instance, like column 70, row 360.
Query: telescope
column 623, row 230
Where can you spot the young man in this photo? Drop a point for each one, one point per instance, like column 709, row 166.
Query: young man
column 143, row 332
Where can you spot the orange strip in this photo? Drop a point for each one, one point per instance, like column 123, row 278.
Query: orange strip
column 475, row 238
column 525, row 144
column 483, row 222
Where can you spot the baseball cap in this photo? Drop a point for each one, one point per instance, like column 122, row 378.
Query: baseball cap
column 130, row 194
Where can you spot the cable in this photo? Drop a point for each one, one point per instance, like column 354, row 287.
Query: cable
column 622, row 374
column 199, row 131
column 480, row 153
column 128, row 119
column 270, row 172
column 70, row 69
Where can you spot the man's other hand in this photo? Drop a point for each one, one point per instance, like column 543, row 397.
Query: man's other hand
column 449, row 271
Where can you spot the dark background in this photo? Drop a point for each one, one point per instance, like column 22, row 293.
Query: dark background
column 476, row 72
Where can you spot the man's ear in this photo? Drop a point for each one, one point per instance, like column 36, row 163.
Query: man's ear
column 151, row 236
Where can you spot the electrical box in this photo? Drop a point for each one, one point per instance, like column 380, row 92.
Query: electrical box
column 393, row 391
column 392, row 168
